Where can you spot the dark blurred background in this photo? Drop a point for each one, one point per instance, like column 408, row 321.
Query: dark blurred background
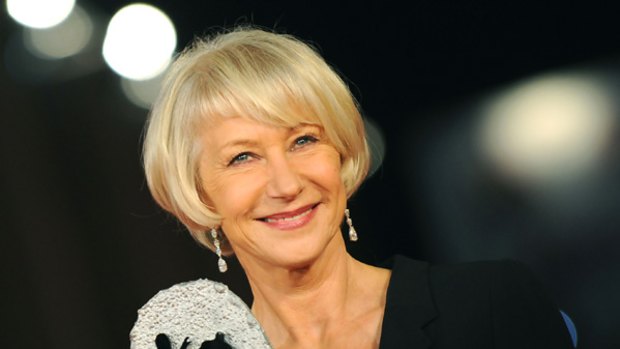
column 495, row 125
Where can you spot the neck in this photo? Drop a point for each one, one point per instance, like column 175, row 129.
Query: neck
column 302, row 304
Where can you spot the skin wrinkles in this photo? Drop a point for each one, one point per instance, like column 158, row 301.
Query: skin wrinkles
column 279, row 176
column 308, row 291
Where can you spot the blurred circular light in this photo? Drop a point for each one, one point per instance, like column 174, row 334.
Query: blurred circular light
column 376, row 144
column 142, row 93
column 39, row 13
column 64, row 40
column 139, row 42
column 550, row 130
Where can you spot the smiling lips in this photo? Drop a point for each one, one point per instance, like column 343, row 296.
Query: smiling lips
column 291, row 220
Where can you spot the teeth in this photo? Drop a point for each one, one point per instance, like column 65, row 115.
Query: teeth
column 271, row 220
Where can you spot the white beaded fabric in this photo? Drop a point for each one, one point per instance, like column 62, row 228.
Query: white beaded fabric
column 198, row 310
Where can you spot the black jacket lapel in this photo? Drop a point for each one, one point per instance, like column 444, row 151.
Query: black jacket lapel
column 409, row 306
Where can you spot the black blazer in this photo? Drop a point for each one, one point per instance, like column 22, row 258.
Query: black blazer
column 474, row 305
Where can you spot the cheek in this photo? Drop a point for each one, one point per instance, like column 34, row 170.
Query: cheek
column 232, row 195
column 326, row 170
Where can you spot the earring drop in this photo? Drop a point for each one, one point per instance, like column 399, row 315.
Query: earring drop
column 352, row 232
column 221, row 263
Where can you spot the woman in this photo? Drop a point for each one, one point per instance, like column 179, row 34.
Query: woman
column 255, row 144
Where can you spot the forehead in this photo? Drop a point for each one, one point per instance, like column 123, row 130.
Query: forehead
column 219, row 127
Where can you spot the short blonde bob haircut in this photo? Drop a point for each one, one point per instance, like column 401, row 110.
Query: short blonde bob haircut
column 272, row 78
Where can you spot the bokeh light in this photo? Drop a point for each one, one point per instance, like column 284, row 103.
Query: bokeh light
column 376, row 144
column 139, row 42
column 550, row 130
column 63, row 40
column 142, row 93
column 39, row 13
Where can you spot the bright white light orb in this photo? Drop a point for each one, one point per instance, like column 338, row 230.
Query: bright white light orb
column 139, row 42
column 550, row 130
column 39, row 13
column 64, row 40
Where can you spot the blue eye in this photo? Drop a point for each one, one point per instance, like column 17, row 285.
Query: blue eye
column 239, row 158
column 305, row 140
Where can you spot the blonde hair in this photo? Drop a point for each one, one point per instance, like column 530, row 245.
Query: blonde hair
column 268, row 77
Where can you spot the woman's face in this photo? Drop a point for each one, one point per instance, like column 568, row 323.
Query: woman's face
column 278, row 190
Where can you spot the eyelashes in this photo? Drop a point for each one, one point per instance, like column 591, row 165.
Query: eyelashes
column 298, row 144
column 240, row 158
column 305, row 140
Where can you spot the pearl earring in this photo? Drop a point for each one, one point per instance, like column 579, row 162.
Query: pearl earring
column 221, row 263
column 352, row 232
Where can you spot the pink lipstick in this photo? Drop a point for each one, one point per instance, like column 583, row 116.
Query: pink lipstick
column 292, row 219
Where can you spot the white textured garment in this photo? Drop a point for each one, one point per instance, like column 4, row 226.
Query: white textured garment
column 197, row 310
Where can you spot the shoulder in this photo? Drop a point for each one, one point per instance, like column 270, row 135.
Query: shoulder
column 488, row 277
column 490, row 303
column 479, row 270
column 492, row 276
column 470, row 288
column 196, row 310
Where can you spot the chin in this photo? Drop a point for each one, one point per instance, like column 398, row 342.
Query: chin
column 303, row 254
column 297, row 261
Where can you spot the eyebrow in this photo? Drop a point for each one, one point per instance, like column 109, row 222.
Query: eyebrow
column 239, row 142
column 250, row 143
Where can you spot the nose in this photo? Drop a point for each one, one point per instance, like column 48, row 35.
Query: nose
column 284, row 180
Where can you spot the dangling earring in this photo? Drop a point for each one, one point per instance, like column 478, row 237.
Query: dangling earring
column 221, row 263
column 352, row 232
